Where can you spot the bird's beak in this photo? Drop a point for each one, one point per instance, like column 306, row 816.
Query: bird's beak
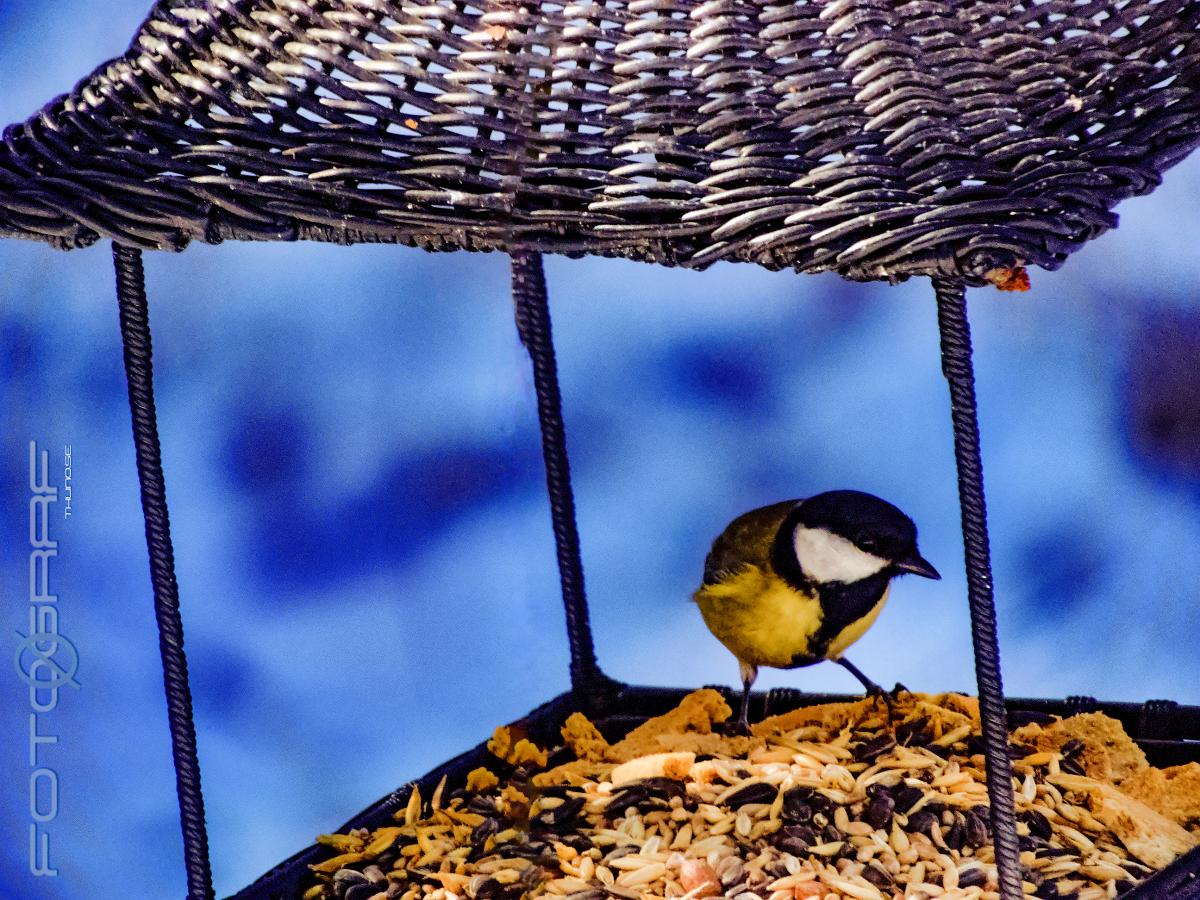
column 919, row 566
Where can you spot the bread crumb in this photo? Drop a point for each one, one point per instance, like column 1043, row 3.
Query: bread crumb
column 1145, row 832
column 519, row 753
column 655, row 765
column 1174, row 792
column 574, row 773
column 688, row 728
column 513, row 803
column 695, row 715
column 584, row 738
column 1108, row 754
column 481, row 779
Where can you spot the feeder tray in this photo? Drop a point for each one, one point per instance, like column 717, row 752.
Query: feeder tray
column 959, row 140
column 1167, row 732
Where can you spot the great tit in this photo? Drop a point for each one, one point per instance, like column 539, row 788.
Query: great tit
column 794, row 583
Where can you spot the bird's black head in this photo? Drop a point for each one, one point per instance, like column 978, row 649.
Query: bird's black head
column 847, row 535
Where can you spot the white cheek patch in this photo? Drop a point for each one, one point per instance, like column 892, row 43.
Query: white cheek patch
column 828, row 557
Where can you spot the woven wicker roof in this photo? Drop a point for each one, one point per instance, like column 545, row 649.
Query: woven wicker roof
column 876, row 138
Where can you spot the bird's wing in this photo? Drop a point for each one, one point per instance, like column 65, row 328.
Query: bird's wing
column 746, row 541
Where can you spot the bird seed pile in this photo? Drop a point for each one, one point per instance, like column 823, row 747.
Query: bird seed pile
column 824, row 802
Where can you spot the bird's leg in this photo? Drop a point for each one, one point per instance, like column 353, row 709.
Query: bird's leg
column 872, row 687
column 749, row 673
column 873, row 690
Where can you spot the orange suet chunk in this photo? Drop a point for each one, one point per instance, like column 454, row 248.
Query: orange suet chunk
column 1014, row 279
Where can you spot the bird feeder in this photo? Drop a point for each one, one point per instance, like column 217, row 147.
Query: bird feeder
column 960, row 140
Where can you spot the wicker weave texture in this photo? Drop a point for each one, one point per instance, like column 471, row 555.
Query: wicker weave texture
column 875, row 138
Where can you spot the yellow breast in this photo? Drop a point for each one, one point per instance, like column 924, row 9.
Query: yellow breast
column 766, row 622
column 761, row 619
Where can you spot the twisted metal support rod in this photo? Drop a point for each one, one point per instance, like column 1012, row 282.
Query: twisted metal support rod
column 957, row 367
column 135, row 337
column 533, row 325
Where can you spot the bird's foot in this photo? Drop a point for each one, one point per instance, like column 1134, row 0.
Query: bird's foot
column 739, row 727
column 891, row 699
column 888, row 698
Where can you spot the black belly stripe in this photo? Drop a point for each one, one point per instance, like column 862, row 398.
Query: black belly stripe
column 842, row 605
column 800, row 660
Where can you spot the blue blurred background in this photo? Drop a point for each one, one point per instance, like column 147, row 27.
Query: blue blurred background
column 363, row 542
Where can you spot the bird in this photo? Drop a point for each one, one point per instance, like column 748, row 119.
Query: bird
column 797, row 582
